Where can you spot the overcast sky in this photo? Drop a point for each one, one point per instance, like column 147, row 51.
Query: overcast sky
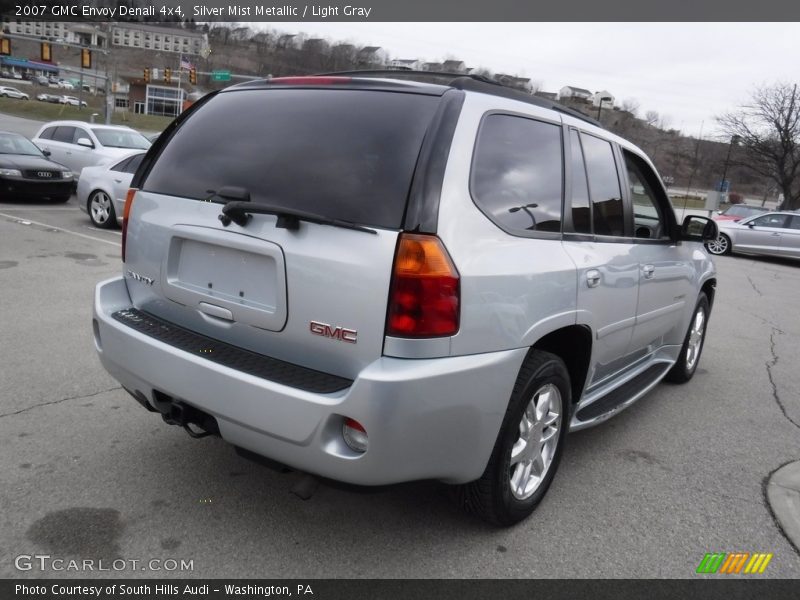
column 689, row 72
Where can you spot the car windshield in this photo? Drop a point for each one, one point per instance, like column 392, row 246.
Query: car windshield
column 11, row 143
column 120, row 138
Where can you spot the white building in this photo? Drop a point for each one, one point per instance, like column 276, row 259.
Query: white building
column 606, row 96
column 151, row 37
column 569, row 91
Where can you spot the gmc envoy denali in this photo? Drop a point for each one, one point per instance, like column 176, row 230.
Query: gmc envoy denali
column 378, row 281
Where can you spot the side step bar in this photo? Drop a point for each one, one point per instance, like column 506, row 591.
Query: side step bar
column 620, row 397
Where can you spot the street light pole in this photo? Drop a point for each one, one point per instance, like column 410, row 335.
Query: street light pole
column 600, row 105
column 734, row 140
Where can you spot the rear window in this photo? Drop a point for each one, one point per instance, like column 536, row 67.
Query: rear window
column 344, row 154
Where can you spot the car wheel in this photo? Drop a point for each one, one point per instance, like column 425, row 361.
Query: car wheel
column 683, row 370
column 719, row 246
column 528, row 447
column 101, row 209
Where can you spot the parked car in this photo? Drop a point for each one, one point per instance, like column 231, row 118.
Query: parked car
column 78, row 144
column 12, row 92
column 65, row 85
column 41, row 80
column 737, row 212
column 27, row 173
column 102, row 190
column 72, row 101
column 380, row 281
column 53, row 99
column 769, row 234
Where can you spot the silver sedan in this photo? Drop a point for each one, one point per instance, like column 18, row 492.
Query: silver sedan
column 102, row 189
column 770, row 234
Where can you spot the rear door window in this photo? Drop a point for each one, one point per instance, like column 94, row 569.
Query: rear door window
column 344, row 154
column 47, row 134
column 64, row 134
column 517, row 173
column 607, row 210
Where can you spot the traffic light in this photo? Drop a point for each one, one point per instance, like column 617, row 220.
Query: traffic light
column 193, row 76
column 5, row 46
column 47, row 52
column 86, row 58
column 167, row 75
column 147, row 75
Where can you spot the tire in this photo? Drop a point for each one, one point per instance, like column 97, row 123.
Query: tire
column 683, row 370
column 719, row 246
column 543, row 378
column 101, row 210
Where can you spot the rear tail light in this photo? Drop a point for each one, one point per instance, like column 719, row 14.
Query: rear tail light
column 424, row 298
column 125, row 214
column 355, row 436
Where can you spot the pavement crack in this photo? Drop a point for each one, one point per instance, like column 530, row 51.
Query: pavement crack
column 771, row 365
column 752, row 283
column 24, row 410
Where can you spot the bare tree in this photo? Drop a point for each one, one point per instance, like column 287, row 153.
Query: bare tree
column 768, row 129
column 631, row 105
column 651, row 117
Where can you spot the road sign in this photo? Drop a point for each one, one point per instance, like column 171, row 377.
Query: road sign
column 220, row 75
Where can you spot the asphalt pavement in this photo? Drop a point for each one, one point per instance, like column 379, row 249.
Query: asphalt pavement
column 85, row 472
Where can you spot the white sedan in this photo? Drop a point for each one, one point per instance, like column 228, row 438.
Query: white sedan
column 102, row 189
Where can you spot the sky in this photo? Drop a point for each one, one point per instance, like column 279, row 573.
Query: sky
column 688, row 72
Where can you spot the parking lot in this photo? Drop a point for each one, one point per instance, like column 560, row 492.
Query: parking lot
column 87, row 473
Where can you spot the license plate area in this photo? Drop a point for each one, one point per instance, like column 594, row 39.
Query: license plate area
column 243, row 275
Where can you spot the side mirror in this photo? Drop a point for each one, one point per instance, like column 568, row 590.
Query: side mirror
column 47, row 153
column 85, row 142
column 751, row 224
column 698, row 229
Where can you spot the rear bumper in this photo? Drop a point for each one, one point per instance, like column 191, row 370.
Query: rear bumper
column 426, row 419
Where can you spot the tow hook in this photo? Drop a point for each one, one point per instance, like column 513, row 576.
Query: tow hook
column 183, row 415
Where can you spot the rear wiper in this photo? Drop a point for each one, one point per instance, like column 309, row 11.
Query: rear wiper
column 240, row 212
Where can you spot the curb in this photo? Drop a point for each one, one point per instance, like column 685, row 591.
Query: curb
column 783, row 494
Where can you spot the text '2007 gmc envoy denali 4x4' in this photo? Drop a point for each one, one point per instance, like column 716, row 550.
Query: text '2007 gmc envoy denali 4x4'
column 379, row 280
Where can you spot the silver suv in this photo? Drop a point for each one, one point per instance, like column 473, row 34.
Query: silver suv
column 77, row 144
column 379, row 281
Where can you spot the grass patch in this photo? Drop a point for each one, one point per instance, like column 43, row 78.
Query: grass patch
column 45, row 111
column 681, row 202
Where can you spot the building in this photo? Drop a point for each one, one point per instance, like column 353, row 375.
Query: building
column 454, row 66
column 574, row 92
column 155, row 98
column 410, row 64
column 152, row 37
column 604, row 95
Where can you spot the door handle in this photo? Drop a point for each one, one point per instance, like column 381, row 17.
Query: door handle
column 648, row 271
column 118, row 181
column 593, row 278
column 776, row 234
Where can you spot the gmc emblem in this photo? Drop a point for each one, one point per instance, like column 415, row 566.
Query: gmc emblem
column 336, row 333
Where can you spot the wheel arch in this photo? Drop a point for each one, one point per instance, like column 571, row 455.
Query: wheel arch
column 573, row 345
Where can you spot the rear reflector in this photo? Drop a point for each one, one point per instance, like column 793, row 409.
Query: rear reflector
column 125, row 214
column 309, row 80
column 424, row 300
column 354, row 434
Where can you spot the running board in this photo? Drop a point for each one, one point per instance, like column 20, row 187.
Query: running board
column 620, row 397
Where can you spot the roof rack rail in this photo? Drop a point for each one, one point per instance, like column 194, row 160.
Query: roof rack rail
column 474, row 83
